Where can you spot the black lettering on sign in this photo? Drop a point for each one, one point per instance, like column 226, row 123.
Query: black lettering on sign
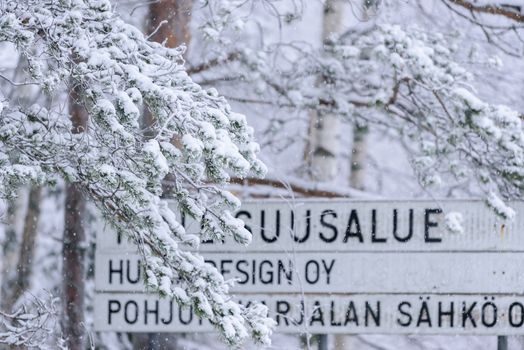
column 328, row 269
column 329, row 225
column 131, row 312
column 253, row 275
column 355, row 231
column 267, row 272
column 466, row 315
column 223, row 268
column 317, row 315
column 423, row 316
column 332, row 315
column 113, row 308
column 148, row 311
column 247, row 215
column 450, row 314
column 395, row 226
column 404, row 308
column 119, row 271
column 170, row 319
column 520, row 312
column 375, row 314
column 282, row 311
column 351, row 314
column 119, row 238
column 489, row 308
column 428, row 224
column 189, row 311
column 287, row 274
column 130, row 279
column 308, row 228
column 263, row 227
column 374, row 238
column 302, row 314
column 263, row 224
column 312, row 272
column 242, row 271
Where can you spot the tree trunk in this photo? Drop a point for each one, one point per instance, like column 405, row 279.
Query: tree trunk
column 322, row 153
column 73, row 268
column 168, row 22
column 358, row 157
column 360, row 133
column 27, row 248
column 10, row 247
column 73, row 250
column 324, row 130
column 177, row 15
column 356, row 180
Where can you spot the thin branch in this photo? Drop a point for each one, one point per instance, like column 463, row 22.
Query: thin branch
column 212, row 63
column 141, row 4
column 304, row 188
column 18, row 84
column 156, row 29
column 489, row 9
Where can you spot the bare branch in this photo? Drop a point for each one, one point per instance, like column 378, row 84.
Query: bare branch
column 304, row 188
column 212, row 63
column 490, row 9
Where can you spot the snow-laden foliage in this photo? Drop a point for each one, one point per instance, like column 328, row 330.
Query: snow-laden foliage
column 222, row 17
column 406, row 81
column 194, row 142
column 33, row 325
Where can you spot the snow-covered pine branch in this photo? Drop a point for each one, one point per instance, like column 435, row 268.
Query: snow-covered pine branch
column 403, row 80
column 33, row 325
column 197, row 140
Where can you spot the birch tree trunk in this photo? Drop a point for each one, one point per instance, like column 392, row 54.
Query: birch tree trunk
column 356, row 176
column 10, row 245
column 323, row 151
column 19, row 251
column 360, row 133
column 324, row 129
column 24, row 269
column 73, row 248
column 358, row 157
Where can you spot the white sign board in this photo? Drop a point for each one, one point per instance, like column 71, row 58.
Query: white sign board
column 344, row 225
column 315, row 313
column 336, row 251
column 348, row 272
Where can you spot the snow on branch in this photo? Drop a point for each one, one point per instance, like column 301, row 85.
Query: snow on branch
column 405, row 81
column 83, row 44
column 32, row 325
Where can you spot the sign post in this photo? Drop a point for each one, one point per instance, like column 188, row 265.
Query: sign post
column 346, row 267
column 502, row 342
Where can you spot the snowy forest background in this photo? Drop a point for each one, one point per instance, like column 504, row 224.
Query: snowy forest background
column 346, row 98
